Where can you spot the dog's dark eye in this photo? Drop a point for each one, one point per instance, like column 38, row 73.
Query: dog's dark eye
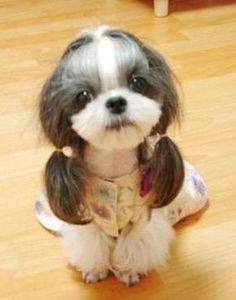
column 138, row 85
column 84, row 97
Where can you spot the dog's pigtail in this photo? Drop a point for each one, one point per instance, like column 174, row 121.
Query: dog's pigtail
column 65, row 188
column 167, row 172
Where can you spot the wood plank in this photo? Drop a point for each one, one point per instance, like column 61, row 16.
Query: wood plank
column 198, row 38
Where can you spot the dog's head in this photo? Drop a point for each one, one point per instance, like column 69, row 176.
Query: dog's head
column 109, row 90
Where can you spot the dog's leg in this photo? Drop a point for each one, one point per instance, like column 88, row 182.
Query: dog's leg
column 141, row 248
column 88, row 250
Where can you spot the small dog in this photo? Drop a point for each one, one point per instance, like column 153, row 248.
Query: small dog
column 108, row 99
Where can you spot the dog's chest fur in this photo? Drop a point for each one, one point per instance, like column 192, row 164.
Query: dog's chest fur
column 110, row 164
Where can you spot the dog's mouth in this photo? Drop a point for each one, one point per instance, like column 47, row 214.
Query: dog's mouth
column 119, row 124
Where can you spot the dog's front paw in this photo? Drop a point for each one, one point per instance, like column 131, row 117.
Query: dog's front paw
column 127, row 277
column 93, row 276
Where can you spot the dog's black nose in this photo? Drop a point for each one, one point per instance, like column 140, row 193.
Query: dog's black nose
column 116, row 105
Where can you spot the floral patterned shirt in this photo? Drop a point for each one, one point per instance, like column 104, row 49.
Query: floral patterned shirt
column 115, row 203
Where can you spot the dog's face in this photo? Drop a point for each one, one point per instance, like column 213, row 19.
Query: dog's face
column 110, row 89
column 118, row 107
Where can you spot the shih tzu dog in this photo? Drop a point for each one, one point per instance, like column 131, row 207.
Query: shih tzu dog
column 106, row 109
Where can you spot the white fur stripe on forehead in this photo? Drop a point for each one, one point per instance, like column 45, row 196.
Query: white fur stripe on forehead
column 107, row 66
column 100, row 31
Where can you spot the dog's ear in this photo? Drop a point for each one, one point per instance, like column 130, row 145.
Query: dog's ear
column 164, row 170
column 167, row 172
column 65, row 187
column 58, row 99
column 166, row 165
column 54, row 102
column 164, row 82
column 65, row 178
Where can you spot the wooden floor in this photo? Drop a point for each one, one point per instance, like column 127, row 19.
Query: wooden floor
column 199, row 40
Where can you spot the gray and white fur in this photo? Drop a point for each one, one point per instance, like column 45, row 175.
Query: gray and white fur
column 108, row 94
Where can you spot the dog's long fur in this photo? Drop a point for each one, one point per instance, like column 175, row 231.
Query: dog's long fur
column 99, row 65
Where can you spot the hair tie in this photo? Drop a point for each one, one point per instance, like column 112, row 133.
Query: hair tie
column 67, row 151
column 152, row 141
column 162, row 135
